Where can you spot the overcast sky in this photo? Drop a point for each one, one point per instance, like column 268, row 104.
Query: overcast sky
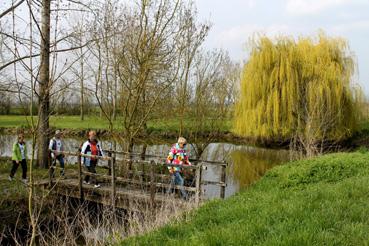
column 234, row 21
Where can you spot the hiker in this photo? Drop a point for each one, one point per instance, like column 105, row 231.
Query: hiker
column 91, row 147
column 19, row 155
column 55, row 148
column 178, row 156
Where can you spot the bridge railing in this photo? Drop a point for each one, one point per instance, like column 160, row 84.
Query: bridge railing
column 152, row 183
column 221, row 164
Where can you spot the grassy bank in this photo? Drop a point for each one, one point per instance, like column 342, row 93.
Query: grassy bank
column 64, row 122
column 322, row 201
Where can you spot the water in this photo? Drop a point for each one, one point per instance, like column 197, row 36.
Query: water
column 246, row 164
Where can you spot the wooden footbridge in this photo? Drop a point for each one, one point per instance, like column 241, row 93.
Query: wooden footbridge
column 131, row 183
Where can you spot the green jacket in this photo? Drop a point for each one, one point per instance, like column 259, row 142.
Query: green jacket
column 17, row 155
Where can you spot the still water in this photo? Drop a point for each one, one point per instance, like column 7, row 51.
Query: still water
column 246, row 163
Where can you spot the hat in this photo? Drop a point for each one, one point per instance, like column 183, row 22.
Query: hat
column 57, row 132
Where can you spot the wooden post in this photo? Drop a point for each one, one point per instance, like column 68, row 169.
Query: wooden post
column 80, row 176
column 113, row 188
column 109, row 162
column 223, row 180
column 198, row 183
column 143, row 178
column 152, row 183
column 51, row 171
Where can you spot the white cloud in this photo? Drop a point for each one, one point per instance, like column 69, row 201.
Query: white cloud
column 362, row 25
column 305, row 7
column 251, row 3
column 240, row 34
column 234, row 39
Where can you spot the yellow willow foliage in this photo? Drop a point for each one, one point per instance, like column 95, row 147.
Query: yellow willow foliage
column 300, row 87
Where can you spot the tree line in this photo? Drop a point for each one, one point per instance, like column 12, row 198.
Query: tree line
column 136, row 61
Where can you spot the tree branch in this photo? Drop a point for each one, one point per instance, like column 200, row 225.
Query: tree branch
column 35, row 55
column 11, row 9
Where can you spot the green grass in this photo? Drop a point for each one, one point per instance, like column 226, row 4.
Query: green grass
column 64, row 122
column 74, row 122
column 321, row 201
column 15, row 190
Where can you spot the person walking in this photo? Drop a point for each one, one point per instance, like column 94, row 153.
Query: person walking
column 56, row 146
column 91, row 147
column 19, row 156
column 178, row 156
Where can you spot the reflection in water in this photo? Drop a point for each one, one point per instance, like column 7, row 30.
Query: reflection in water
column 248, row 166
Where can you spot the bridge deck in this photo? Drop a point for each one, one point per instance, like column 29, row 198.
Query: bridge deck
column 143, row 186
column 125, row 197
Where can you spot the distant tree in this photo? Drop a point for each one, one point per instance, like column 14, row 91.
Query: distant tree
column 152, row 57
column 298, row 90
column 214, row 79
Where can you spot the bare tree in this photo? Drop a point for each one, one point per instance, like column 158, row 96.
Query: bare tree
column 193, row 36
column 44, row 85
column 214, row 79
column 149, row 59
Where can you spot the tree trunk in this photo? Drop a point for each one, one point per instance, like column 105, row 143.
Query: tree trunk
column 82, row 114
column 44, row 87
column 115, row 97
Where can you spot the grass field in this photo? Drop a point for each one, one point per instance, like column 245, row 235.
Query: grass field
column 64, row 122
column 74, row 122
column 322, row 201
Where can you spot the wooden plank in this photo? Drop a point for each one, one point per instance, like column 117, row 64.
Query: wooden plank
column 97, row 175
column 222, row 180
column 109, row 163
column 152, row 185
column 144, row 174
column 68, row 153
column 113, row 188
column 80, row 182
column 161, row 157
column 198, row 185
column 157, row 184
column 218, row 183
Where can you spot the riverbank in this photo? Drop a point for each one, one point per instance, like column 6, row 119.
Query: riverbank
column 321, row 201
column 167, row 129
column 161, row 130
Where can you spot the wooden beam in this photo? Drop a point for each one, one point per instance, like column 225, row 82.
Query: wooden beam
column 113, row 188
column 222, row 180
column 198, row 185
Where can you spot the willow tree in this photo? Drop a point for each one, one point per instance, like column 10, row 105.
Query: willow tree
column 298, row 90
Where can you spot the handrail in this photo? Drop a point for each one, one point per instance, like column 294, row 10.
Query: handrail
column 152, row 183
column 128, row 160
column 84, row 155
column 160, row 156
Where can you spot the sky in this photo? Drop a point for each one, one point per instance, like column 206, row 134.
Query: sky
column 235, row 21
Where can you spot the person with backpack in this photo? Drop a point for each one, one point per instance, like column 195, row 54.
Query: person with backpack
column 178, row 156
column 56, row 147
column 19, row 156
column 91, row 147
